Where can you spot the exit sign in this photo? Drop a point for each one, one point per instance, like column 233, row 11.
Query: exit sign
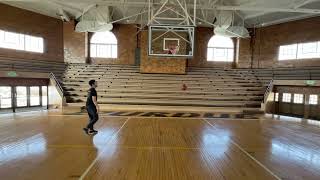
column 310, row 82
column 12, row 74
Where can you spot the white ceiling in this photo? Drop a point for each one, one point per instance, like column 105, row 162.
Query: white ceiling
column 252, row 12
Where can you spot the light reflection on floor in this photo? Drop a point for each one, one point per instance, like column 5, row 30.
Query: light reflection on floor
column 25, row 147
column 287, row 143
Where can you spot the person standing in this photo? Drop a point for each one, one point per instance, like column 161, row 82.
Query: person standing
column 92, row 107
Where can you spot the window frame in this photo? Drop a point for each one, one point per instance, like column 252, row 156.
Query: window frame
column 284, row 98
column 276, row 97
column 311, row 101
column 23, row 42
column 297, row 98
column 299, row 55
column 94, row 48
column 226, row 49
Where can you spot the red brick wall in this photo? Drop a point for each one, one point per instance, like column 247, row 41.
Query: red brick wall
column 268, row 40
column 165, row 65
column 244, row 55
column 75, row 44
column 23, row 82
column 26, row 22
column 127, row 42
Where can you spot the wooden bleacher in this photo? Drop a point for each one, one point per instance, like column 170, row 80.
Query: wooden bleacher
column 124, row 85
column 265, row 75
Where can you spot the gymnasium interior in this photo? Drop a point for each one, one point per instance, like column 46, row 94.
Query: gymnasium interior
column 187, row 89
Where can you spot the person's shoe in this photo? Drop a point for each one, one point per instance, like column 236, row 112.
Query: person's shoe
column 92, row 131
column 86, row 130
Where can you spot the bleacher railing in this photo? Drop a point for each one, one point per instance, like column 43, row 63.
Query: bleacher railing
column 312, row 73
column 57, row 84
column 268, row 91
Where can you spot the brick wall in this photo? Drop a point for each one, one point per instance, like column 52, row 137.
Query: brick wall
column 23, row 81
column 268, row 39
column 126, row 35
column 26, row 22
column 75, row 44
column 151, row 64
column 202, row 37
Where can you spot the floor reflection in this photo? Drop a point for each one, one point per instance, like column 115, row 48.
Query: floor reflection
column 216, row 141
column 26, row 147
column 295, row 153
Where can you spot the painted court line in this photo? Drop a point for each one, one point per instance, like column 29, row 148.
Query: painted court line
column 71, row 146
column 144, row 117
column 245, row 152
column 96, row 159
column 159, row 147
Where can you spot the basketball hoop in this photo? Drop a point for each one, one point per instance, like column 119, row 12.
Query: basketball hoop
column 168, row 40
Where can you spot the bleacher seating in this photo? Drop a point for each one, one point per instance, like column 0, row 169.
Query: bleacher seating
column 206, row 87
column 265, row 75
column 120, row 84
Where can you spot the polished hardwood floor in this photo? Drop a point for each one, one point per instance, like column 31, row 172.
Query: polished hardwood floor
column 50, row 145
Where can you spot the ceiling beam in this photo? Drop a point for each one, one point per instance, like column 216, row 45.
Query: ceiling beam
column 294, row 6
column 284, row 20
column 302, row 3
column 67, row 8
column 265, row 9
column 199, row 6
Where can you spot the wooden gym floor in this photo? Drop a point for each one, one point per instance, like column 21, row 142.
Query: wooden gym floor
column 48, row 145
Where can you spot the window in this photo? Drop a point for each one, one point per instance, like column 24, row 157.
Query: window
column 5, row 97
column 313, row 99
column 21, row 96
column 34, row 44
column 288, row 52
column 276, row 98
column 104, row 45
column 34, row 96
column 286, row 97
column 22, row 42
column 220, row 49
column 298, row 98
column 300, row 51
column 44, row 90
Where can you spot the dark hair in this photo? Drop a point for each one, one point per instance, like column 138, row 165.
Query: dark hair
column 91, row 82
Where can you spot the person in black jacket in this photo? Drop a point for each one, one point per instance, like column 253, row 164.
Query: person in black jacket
column 92, row 107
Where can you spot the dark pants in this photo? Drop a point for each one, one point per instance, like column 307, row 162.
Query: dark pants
column 93, row 117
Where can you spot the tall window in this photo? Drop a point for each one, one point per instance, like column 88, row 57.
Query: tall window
column 276, row 98
column 11, row 40
column 104, row 45
column 300, row 51
column 220, row 49
column 5, row 97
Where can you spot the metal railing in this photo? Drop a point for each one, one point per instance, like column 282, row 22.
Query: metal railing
column 268, row 91
column 288, row 74
column 57, row 84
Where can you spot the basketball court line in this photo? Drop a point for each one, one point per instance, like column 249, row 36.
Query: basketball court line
column 144, row 117
column 98, row 156
column 177, row 148
column 73, row 146
column 245, row 152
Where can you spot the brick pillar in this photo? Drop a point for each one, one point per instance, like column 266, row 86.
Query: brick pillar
column 75, row 44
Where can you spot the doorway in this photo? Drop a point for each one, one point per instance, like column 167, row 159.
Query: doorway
column 21, row 98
